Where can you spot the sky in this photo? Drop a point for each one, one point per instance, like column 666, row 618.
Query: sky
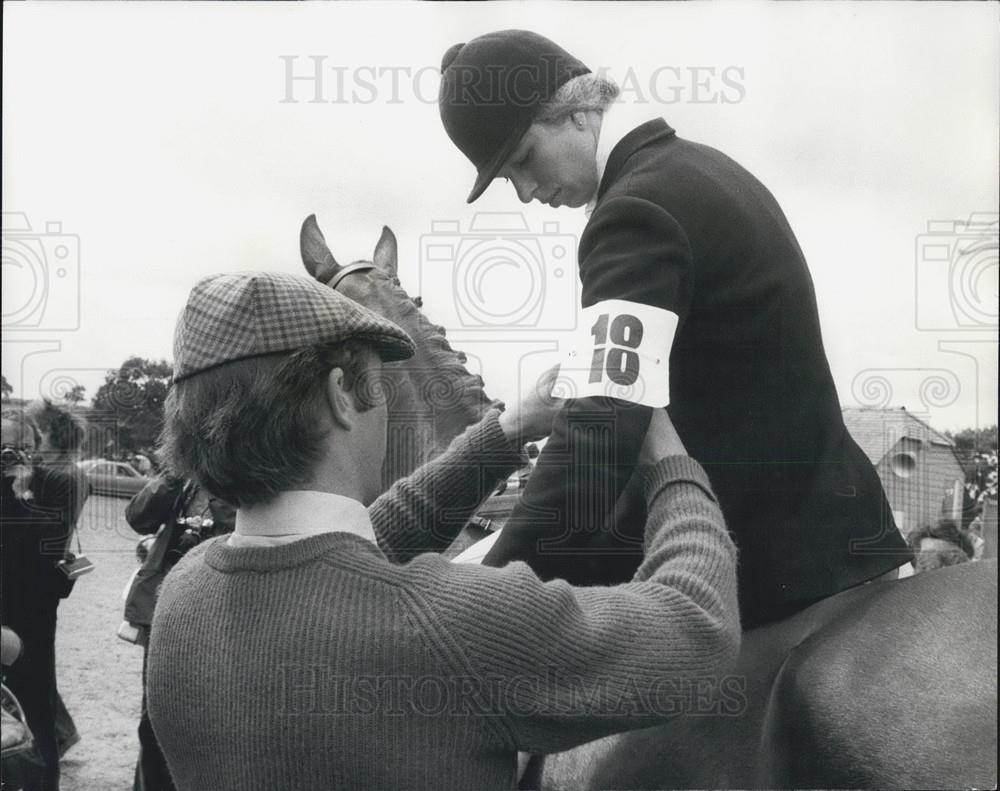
column 147, row 145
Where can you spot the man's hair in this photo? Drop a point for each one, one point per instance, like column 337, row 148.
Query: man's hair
column 586, row 92
column 249, row 429
column 944, row 530
column 25, row 421
column 62, row 428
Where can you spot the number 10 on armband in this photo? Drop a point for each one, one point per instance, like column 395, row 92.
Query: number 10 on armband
column 619, row 360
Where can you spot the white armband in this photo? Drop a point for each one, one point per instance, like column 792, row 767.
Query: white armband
column 620, row 350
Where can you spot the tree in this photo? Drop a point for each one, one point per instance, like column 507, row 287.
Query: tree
column 131, row 400
column 75, row 394
column 5, row 388
column 970, row 440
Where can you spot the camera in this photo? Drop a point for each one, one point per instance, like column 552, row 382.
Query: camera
column 956, row 274
column 41, row 273
column 12, row 457
column 502, row 276
column 75, row 566
column 131, row 633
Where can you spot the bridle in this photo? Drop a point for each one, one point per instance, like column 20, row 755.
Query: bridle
column 360, row 266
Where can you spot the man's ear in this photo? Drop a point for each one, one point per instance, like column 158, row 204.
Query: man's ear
column 339, row 399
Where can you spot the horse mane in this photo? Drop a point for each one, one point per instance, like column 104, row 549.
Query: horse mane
column 430, row 339
column 432, row 398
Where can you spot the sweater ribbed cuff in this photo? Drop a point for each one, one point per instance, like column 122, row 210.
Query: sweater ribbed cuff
column 488, row 438
column 674, row 469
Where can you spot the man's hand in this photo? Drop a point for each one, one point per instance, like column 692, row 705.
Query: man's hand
column 661, row 439
column 22, row 483
column 531, row 418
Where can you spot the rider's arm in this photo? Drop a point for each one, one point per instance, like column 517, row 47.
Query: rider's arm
column 631, row 250
column 565, row 665
column 425, row 511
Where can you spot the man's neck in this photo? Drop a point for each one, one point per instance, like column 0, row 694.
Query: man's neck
column 301, row 513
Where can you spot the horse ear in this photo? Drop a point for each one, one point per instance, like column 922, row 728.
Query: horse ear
column 385, row 252
column 316, row 256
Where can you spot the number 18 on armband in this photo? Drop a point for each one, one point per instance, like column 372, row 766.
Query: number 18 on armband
column 621, row 351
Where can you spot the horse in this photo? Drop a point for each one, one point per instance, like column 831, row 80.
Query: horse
column 891, row 684
column 432, row 397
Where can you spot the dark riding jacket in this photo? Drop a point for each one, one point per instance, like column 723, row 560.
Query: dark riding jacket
column 681, row 226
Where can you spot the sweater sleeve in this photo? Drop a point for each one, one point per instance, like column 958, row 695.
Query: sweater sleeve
column 566, row 665
column 425, row 511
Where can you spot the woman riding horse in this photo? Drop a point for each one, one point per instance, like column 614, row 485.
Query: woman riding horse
column 824, row 698
column 679, row 236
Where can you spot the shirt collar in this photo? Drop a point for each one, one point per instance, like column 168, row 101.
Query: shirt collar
column 303, row 513
column 619, row 119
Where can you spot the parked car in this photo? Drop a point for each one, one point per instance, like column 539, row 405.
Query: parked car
column 115, row 478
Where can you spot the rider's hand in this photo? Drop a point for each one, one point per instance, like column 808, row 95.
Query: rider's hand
column 661, row 439
column 531, row 417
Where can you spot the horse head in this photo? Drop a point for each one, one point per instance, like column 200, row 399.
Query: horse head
column 432, row 397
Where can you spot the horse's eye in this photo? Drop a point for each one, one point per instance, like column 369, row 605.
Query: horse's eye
column 418, row 301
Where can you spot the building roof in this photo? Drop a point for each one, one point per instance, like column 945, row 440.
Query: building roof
column 878, row 430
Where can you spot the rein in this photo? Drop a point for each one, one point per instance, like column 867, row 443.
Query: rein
column 360, row 266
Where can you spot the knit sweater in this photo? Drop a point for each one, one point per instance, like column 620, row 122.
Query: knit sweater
column 333, row 663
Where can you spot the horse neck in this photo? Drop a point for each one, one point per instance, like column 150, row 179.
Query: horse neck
column 433, row 398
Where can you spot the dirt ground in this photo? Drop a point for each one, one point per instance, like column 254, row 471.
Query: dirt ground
column 100, row 675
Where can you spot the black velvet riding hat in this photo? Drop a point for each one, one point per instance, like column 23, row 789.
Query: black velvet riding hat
column 491, row 88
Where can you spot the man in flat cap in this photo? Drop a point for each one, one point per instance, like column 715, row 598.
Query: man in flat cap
column 688, row 258
column 321, row 646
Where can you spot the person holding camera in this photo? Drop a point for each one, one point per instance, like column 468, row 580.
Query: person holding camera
column 312, row 647
column 695, row 282
column 37, row 510
column 64, row 431
column 178, row 515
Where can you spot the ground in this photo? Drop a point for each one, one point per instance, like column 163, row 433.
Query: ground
column 100, row 675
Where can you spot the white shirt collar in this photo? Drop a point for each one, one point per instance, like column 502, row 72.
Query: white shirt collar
column 619, row 119
column 297, row 514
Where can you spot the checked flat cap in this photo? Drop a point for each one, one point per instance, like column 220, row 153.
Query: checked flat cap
column 231, row 317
